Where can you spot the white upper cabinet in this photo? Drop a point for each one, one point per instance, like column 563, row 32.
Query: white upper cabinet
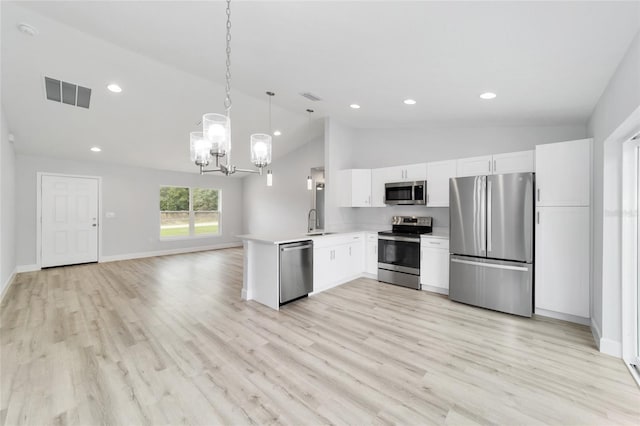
column 415, row 172
column 563, row 176
column 514, row 162
column 511, row 162
column 378, row 179
column 438, row 175
column 474, row 166
column 355, row 187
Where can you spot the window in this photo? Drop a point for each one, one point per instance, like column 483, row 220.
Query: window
column 187, row 212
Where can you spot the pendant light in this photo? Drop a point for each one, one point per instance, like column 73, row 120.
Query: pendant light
column 214, row 142
column 309, row 178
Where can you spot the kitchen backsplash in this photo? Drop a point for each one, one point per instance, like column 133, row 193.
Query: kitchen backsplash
column 381, row 216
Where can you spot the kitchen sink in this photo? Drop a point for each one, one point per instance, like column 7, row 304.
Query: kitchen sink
column 318, row 234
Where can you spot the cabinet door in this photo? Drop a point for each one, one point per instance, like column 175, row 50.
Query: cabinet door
column 438, row 175
column 378, row 177
column 361, row 188
column 356, row 257
column 562, row 260
column 372, row 256
column 322, row 268
column 434, row 267
column 474, row 166
column 415, row 172
column 514, row 162
column 354, row 188
column 563, row 173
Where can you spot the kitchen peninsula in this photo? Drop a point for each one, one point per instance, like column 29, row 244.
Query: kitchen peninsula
column 337, row 258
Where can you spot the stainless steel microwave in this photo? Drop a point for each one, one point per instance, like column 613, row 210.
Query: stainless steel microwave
column 406, row 193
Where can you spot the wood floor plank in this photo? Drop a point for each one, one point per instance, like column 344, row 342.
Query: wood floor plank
column 167, row 340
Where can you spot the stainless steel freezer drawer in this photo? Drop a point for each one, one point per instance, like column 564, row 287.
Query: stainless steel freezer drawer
column 494, row 284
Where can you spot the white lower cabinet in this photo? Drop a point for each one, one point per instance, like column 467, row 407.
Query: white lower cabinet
column 562, row 262
column 434, row 264
column 336, row 260
column 371, row 254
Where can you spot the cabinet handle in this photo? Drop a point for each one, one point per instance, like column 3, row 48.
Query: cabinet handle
column 349, row 251
column 538, row 218
column 538, row 194
column 495, row 168
column 489, row 165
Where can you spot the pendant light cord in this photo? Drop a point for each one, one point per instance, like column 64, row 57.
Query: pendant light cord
column 227, row 99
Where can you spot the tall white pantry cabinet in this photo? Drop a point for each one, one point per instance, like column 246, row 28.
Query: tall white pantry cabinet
column 563, row 243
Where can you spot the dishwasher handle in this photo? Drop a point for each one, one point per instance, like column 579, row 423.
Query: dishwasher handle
column 296, row 247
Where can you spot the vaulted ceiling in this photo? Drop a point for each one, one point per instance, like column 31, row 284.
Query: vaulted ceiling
column 548, row 62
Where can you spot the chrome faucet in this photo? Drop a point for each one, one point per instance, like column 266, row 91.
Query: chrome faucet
column 312, row 226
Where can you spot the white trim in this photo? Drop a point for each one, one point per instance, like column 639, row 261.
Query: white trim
column 629, row 235
column 610, row 347
column 39, row 213
column 139, row 255
column 563, row 316
column 27, row 268
column 606, row 346
column 595, row 332
column 434, row 289
column 5, row 288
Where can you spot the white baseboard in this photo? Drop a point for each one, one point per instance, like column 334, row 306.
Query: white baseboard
column 611, row 347
column 27, row 268
column 563, row 316
column 139, row 255
column 595, row 332
column 246, row 295
column 433, row 289
column 606, row 346
column 7, row 284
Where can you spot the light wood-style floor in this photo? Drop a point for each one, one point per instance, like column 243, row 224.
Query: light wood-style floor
column 167, row 340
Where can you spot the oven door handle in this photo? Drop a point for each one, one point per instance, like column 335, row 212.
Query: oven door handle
column 392, row 238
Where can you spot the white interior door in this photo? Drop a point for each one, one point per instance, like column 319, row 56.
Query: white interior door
column 69, row 212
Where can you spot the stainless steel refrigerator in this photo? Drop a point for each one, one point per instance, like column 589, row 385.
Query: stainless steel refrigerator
column 491, row 241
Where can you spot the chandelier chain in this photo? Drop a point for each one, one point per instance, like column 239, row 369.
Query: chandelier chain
column 227, row 99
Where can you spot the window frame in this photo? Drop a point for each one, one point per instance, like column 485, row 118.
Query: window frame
column 192, row 224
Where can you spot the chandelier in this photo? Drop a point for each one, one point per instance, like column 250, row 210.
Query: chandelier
column 214, row 142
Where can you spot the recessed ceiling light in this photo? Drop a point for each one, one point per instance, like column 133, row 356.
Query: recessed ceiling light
column 27, row 29
column 355, row 106
column 488, row 95
column 277, row 133
column 113, row 87
column 409, row 101
column 96, row 149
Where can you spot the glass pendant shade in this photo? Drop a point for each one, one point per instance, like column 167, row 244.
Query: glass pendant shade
column 200, row 149
column 217, row 130
column 269, row 178
column 309, row 183
column 260, row 149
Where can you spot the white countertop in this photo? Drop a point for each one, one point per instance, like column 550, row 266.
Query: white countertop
column 438, row 233
column 283, row 238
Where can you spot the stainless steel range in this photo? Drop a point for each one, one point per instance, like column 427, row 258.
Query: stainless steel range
column 399, row 250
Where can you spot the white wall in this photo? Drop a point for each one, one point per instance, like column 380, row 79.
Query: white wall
column 371, row 148
column 133, row 195
column 619, row 100
column 7, row 206
column 283, row 207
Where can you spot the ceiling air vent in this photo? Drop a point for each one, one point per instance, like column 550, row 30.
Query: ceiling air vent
column 310, row 96
column 68, row 93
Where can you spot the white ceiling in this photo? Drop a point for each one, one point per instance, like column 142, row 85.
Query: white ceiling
column 548, row 62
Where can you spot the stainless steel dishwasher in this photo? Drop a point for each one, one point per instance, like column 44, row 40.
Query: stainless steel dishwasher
column 296, row 270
